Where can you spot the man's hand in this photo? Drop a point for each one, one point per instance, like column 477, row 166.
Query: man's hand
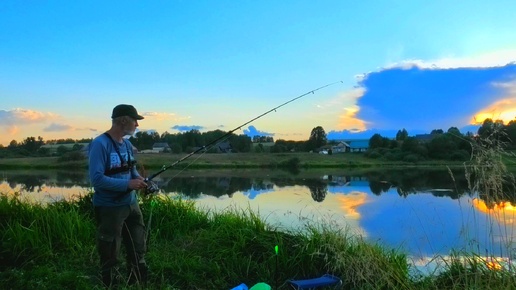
column 137, row 183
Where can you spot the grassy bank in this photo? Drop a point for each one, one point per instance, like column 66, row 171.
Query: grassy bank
column 232, row 160
column 53, row 247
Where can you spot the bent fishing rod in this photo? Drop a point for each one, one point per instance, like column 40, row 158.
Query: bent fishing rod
column 217, row 140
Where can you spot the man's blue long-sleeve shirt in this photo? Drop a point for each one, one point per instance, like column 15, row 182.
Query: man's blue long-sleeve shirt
column 102, row 157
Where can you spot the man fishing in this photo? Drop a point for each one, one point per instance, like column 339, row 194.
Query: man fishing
column 114, row 178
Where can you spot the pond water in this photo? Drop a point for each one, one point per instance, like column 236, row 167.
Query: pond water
column 424, row 213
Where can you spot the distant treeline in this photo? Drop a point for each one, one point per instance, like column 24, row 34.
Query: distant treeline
column 440, row 145
column 183, row 142
column 449, row 145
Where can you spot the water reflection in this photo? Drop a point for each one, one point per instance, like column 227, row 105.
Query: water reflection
column 33, row 180
column 49, row 185
column 440, row 183
column 425, row 213
column 318, row 189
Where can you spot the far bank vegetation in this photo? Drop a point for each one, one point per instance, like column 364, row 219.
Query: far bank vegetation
column 450, row 145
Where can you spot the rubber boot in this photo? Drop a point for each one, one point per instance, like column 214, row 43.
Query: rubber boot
column 110, row 278
column 138, row 274
column 108, row 264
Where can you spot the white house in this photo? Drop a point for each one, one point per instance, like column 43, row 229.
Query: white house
column 341, row 147
column 160, row 147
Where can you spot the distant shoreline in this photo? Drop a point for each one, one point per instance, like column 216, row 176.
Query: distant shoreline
column 233, row 160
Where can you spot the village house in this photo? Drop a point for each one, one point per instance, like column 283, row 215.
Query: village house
column 357, row 145
column 352, row 145
column 341, row 147
column 224, row 147
column 158, row 147
column 161, row 147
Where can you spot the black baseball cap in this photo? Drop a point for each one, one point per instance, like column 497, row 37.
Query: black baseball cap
column 125, row 110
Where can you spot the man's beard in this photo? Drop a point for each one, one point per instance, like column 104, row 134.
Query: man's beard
column 129, row 132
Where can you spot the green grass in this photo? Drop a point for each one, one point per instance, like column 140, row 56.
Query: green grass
column 53, row 247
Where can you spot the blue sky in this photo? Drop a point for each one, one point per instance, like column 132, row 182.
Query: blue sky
column 213, row 65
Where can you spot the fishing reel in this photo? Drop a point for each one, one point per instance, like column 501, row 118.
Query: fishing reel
column 152, row 187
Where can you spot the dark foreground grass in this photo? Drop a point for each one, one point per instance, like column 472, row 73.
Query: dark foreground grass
column 53, row 247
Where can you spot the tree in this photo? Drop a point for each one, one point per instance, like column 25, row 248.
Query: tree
column 262, row 139
column 288, row 146
column 43, row 151
column 241, row 143
column 410, row 145
column 145, row 140
column 192, row 139
column 31, row 144
column 454, row 131
column 377, row 141
column 259, row 148
column 489, row 127
column 441, row 147
column 401, row 135
column 13, row 144
column 175, row 148
column 492, row 132
column 62, row 150
column 317, row 138
column 77, row 147
column 510, row 130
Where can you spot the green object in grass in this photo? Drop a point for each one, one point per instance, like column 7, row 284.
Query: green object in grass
column 261, row 286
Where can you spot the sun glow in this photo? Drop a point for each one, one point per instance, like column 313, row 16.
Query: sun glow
column 504, row 109
column 349, row 119
column 494, row 265
column 504, row 212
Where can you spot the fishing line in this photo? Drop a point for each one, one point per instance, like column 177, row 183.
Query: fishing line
column 226, row 135
column 153, row 188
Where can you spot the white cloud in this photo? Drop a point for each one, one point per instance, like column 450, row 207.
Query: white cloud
column 484, row 60
column 57, row 128
column 20, row 116
column 165, row 116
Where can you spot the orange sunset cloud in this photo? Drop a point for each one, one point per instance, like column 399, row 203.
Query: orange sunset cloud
column 350, row 203
column 350, row 120
column 504, row 110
